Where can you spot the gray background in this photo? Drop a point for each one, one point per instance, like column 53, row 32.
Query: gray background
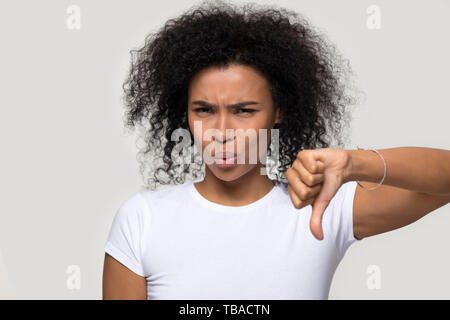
column 67, row 164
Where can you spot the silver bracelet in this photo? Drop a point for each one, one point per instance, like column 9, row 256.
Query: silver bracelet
column 384, row 176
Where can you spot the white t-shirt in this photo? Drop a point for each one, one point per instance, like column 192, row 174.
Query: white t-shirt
column 188, row 247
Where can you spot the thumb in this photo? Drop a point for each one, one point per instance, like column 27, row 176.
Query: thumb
column 318, row 208
column 319, row 205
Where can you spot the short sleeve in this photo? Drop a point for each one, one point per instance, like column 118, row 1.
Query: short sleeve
column 342, row 218
column 124, row 239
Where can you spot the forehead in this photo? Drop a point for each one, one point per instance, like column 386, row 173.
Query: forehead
column 234, row 82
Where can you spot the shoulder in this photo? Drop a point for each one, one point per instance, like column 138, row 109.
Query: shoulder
column 132, row 208
column 167, row 193
column 165, row 197
column 140, row 207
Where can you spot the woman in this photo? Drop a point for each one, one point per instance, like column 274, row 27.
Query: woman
column 236, row 233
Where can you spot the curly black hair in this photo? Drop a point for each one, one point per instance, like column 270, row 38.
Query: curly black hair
column 308, row 80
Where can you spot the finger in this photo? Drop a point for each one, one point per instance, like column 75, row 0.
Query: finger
column 308, row 178
column 296, row 201
column 311, row 164
column 321, row 202
column 316, row 218
column 302, row 191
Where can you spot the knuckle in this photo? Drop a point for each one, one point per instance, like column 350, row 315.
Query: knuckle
column 288, row 173
column 303, row 194
column 296, row 202
column 301, row 153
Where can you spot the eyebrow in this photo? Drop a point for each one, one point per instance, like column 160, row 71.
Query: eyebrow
column 235, row 105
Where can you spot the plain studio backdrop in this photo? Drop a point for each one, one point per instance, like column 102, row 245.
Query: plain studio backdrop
column 67, row 163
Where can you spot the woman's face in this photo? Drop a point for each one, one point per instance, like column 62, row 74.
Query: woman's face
column 211, row 93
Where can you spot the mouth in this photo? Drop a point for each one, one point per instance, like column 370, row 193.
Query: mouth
column 224, row 155
column 225, row 159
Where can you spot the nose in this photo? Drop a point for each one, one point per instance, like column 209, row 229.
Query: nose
column 222, row 126
column 220, row 139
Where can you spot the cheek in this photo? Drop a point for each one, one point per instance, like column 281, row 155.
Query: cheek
column 254, row 145
column 197, row 134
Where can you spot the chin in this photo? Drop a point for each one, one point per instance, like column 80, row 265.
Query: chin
column 230, row 174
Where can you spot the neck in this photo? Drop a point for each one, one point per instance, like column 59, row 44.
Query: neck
column 242, row 191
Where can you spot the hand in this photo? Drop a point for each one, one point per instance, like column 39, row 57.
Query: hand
column 314, row 178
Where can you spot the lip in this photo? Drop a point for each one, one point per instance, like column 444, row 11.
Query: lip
column 224, row 155
column 225, row 163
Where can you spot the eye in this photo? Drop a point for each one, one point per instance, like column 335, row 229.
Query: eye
column 247, row 111
column 201, row 109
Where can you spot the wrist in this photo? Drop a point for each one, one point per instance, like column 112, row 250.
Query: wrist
column 363, row 165
column 348, row 172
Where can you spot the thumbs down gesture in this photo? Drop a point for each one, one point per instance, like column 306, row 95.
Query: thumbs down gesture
column 314, row 178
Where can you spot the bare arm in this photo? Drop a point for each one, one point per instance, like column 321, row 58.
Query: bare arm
column 417, row 182
column 120, row 283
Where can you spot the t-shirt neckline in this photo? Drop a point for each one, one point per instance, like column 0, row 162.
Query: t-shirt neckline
column 230, row 209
